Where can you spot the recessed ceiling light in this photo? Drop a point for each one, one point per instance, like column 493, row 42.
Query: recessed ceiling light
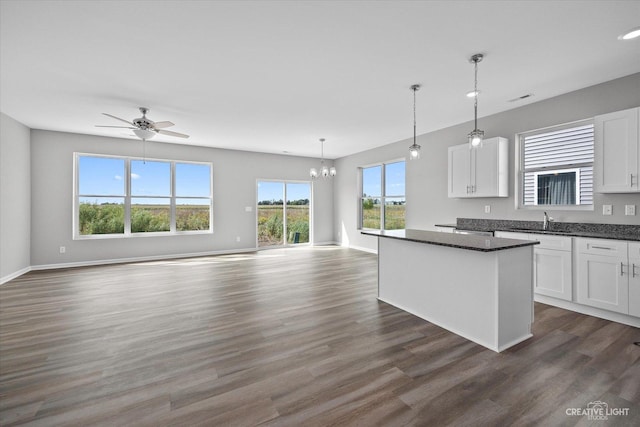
column 631, row 34
column 473, row 93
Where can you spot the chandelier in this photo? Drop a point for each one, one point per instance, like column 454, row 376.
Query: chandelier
column 325, row 172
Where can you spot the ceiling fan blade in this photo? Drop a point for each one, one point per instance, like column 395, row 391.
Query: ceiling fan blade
column 118, row 118
column 170, row 133
column 161, row 125
column 120, row 127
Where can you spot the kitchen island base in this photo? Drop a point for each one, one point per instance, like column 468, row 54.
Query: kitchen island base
column 486, row 297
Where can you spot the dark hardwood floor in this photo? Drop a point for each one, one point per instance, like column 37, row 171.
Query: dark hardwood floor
column 286, row 337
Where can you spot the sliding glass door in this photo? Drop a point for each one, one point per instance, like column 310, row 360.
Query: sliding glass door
column 283, row 213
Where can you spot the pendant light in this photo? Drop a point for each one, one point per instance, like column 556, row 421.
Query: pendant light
column 414, row 149
column 476, row 135
column 325, row 172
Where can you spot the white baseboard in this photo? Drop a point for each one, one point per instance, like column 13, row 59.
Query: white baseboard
column 13, row 275
column 138, row 259
column 328, row 243
column 360, row 248
column 591, row 311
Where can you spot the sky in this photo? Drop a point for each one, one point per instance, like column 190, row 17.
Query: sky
column 102, row 176
column 269, row 190
column 394, row 180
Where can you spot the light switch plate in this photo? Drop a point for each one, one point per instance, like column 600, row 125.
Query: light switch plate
column 607, row 210
column 630, row 209
column 248, row 208
column 487, row 209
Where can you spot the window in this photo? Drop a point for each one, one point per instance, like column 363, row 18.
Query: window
column 382, row 199
column 556, row 167
column 123, row 197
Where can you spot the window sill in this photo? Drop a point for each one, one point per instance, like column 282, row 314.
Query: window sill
column 141, row 235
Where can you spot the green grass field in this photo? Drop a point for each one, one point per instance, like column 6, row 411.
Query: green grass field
column 394, row 217
column 109, row 218
column 270, row 224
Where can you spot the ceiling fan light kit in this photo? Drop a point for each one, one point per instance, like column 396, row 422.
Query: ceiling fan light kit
column 144, row 128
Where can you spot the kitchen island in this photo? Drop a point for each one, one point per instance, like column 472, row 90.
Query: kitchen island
column 478, row 287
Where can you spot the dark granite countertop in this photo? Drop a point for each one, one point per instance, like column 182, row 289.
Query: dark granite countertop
column 569, row 229
column 460, row 241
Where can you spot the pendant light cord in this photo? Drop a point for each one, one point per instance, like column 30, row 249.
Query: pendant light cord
column 475, row 105
column 414, row 115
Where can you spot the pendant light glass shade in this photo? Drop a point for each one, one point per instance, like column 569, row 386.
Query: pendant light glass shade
column 476, row 135
column 325, row 171
column 414, row 149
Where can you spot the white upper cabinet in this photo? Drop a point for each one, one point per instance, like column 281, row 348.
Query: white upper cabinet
column 617, row 152
column 481, row 172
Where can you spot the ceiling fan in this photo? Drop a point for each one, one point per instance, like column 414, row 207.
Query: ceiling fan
column 145, row 128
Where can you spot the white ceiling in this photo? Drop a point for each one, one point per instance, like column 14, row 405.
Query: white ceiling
column 274, row 76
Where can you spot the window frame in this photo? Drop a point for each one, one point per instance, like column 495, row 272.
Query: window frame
column 128, row 196
column 520, row 172
column 383, row 195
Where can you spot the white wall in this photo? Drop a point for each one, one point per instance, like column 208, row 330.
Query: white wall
column 426, row 179
column 15, row 198
column 234, row 187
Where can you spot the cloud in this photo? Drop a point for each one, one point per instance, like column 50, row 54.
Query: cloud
column 135, row 176
column 118, row 178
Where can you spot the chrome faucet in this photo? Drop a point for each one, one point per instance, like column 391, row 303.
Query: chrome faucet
column 546, row 222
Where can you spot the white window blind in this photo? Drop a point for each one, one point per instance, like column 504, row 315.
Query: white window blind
column 554, row 151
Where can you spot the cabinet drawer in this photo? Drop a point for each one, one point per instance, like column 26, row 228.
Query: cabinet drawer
column 615, row 248
column 548, row 241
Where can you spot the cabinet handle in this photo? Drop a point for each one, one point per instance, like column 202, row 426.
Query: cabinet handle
column 631, row 179
column 467, row 189
column 621, row 269
column 633, row 270
column 473, row 188
column 601, row 247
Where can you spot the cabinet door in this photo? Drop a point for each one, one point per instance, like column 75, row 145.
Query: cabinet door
column 459, row 171
column 552, row 273
column 602, row 282
column 634, row 279
column 616, row 152
column 489, row 169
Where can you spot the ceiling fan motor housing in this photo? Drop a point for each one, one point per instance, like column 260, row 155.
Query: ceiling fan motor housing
column 143, row 123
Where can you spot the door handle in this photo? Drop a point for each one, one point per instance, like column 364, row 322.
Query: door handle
column 621, row 270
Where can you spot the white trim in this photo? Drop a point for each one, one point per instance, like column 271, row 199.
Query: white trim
column 139, row 259
column 363, row 249
column 591, row 311
column 328, row 243
column 14, row 275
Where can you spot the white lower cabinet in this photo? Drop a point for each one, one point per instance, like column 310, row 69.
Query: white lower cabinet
column 634, row 279
column 603, row 274
column 552, row 264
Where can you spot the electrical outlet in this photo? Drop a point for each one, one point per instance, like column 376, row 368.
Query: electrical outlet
column 237, row 238
column 630, row 210
column 248, row 208
column 63, row 249
column 487, row 209
column 607, row 210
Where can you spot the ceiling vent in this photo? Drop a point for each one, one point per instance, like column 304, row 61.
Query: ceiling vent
column 520, row 98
